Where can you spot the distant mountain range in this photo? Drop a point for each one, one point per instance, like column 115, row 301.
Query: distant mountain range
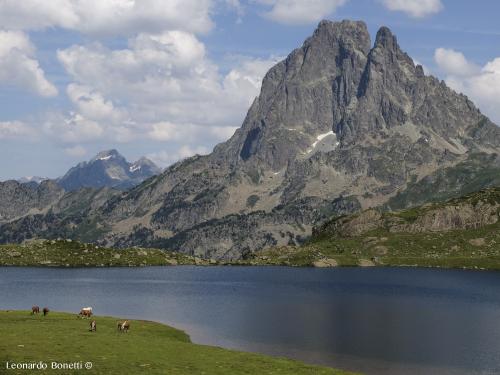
column 341, row 125
column 108, row 169
column 106, row 174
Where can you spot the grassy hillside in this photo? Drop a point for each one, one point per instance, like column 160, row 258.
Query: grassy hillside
column 67, row 253
column 148, row 348
column 477, row 249
column 460, row 233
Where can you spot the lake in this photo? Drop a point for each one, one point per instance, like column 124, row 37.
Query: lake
column 372, row 320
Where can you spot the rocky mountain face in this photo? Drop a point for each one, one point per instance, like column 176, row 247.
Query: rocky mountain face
column 340, row 125
column 18, row 199
column 70, row 216
column 108, row 169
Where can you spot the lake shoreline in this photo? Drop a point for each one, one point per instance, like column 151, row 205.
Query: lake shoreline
column 73, row 254
column 236, row 265
column 148, row 344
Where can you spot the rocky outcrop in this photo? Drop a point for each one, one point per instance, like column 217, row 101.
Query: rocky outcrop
column 466, row 216
column 473, row 211
column 325, row 263
column 355, row 225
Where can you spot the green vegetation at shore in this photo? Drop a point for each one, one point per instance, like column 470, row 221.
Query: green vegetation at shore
column 149, row 348
column 67, row 253
column 474, row 249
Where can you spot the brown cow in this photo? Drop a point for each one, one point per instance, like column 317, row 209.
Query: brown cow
column 45, row 311
column 93, row 326
column 35, row 310
column 124, row 327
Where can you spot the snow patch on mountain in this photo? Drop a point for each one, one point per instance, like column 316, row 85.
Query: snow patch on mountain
column 134, row 168
column 324, row 142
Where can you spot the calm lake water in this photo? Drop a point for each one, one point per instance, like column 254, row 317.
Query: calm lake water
column 373, row 320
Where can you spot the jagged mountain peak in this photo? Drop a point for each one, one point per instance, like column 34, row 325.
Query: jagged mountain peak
column 304, row 97
column 385, row 38
column 338, row 82
column 144, row 161
column 108, row 168
column 387, row 53
column 107, row 155
column 144, row 166
column 347, row 32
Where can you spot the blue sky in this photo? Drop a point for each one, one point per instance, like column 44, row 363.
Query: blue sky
column 170, row 78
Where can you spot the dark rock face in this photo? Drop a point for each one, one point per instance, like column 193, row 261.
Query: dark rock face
column 340, row 125
column 249, row 146
column 108, row 169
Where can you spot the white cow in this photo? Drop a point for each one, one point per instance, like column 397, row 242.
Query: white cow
column 86, row 312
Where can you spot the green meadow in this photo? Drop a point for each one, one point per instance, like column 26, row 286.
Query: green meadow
column 148, row 348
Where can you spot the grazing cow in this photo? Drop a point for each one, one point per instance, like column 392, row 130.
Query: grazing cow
column 93, row 326
column 85, row 312
column 124, row 327
column 45, row 311
column 35, row 310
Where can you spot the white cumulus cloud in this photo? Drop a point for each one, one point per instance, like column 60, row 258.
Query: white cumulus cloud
column 93, row 105
column 73, row 128
column 164, row 158
column 454, row 62
column 163, row 86
column 167, row 131
column 300, row 11
column 18, row 66
column 15, row 129
column 107, row 17
column 480, row 83
column 415, row 8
